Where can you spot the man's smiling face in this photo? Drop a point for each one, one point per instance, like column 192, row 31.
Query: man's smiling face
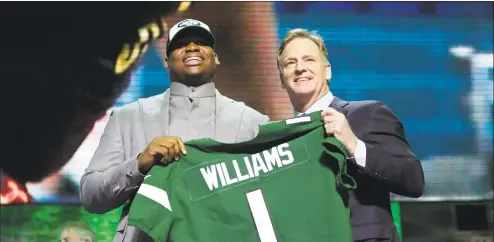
column 192, row 59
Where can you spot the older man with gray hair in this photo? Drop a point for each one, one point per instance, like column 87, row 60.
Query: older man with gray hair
column 77, row 232
column 379, row 156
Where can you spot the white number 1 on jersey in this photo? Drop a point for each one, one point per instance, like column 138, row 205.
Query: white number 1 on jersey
column 260, row 214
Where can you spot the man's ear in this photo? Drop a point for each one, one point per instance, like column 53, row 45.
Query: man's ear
column 166, row 62
column 216, row 59
column 328, row 73
column 281, row 78
column 282, row 83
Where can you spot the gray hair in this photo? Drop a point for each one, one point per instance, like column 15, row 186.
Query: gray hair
column 83, row 230
column 304, row 34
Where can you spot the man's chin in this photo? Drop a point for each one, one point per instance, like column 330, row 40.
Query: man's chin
column 197, row 78
column 303, row 92
column 194, row 74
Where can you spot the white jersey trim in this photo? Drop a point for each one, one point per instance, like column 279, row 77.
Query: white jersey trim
column 156, row 194
column 302, row 119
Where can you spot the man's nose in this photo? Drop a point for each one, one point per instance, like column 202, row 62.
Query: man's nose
column 301, row 66
column 191, row 47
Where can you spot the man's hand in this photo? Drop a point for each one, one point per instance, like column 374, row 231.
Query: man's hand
column 335, row 124
column 163, row 149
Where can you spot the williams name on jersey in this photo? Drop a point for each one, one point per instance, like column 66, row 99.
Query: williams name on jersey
column 284, row 185
column 250, row 167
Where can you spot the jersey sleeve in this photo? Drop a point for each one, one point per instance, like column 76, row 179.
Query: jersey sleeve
column 335, row 149
column 151, row 210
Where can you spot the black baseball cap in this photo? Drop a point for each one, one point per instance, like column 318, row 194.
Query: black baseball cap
column 187, row 25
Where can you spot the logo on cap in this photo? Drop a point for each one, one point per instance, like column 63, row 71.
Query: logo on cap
column 189, row 22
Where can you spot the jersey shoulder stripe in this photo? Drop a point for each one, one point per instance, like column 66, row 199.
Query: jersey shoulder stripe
column 156, row 194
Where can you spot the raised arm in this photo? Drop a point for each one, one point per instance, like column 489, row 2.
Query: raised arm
column 388, row 155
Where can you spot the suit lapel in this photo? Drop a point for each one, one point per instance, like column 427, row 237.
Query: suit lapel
column 339, row 105
column 154, row 114
column 228, row 119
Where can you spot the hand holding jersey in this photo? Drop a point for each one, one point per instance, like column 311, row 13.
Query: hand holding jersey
column 251, row 191
column 335, row 124
column 163, row 149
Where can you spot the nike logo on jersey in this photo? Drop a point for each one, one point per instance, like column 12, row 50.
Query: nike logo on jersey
column 218, row 175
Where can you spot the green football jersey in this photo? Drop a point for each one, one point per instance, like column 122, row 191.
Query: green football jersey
column 285, row 185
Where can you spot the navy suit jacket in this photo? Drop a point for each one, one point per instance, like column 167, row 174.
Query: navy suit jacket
column 390, row 167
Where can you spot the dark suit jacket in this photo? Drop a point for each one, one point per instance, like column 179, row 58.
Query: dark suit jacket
column 390, row 167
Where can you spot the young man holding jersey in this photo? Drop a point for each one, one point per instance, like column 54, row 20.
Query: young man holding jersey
column 152, row 130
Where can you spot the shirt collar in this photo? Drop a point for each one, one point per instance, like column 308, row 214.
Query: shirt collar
column 205, row 90
column 319, row 105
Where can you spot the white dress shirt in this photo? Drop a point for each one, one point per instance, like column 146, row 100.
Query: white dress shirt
column 322, row 104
